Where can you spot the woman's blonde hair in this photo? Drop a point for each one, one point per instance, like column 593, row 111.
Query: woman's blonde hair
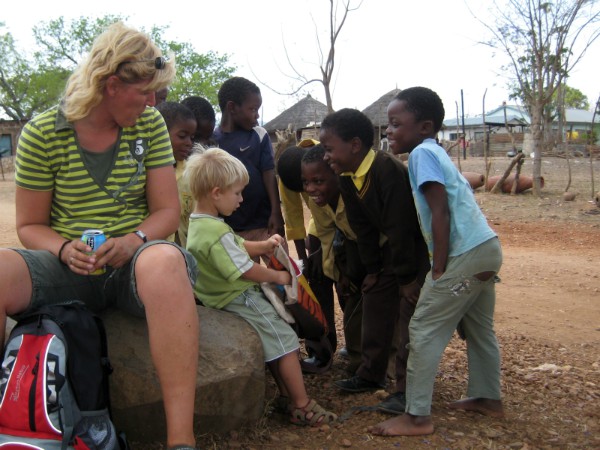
column 122, row 51
column 213, row 168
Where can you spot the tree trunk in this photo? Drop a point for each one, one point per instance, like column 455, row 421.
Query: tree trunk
column 486, row 142
column 592, row 168
column 537, row 135
column 567, row 157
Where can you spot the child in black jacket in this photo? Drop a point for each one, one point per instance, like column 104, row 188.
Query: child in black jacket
column 376, row 190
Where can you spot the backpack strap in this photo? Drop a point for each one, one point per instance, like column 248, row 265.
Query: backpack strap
column 106, row 366
column 69, row 424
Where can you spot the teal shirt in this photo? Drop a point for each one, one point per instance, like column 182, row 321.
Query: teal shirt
column 222, row 260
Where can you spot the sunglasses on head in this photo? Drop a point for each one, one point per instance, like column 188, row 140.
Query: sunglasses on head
column 160, row 62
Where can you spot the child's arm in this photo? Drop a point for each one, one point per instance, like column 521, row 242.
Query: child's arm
column 276, row 219
column 293, row 216
column 437, row 199
column 259, row 248
column 260, row 274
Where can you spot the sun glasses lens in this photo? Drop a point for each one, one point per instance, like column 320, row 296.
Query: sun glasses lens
column 160, row 62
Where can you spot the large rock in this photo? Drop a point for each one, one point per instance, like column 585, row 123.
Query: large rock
column 230, row 385
column 231, row 375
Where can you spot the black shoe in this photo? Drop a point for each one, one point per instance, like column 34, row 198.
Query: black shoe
column 343, row 352
column 393, row 404
column 315, row 365
column 358, row 384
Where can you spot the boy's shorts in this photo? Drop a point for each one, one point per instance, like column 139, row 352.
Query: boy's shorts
column 277, row 337
column 53, row 282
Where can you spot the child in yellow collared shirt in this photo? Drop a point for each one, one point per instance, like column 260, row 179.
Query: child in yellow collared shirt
column 320, row 267
column 293, row 197
column 181, row 124
column 340, row 260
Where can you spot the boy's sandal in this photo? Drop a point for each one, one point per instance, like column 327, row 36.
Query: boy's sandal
column 312, row 414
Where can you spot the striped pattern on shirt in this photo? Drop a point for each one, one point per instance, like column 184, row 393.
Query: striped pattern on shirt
column 49, row 158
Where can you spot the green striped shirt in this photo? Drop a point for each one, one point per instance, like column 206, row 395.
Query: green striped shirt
column 49, row 158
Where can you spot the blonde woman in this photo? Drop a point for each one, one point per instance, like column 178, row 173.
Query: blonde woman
column 102, row 159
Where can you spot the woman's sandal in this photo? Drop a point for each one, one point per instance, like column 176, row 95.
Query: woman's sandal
column 312, row 414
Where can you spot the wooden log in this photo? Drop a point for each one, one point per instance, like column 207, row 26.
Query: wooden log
column 475, row 179
column 493, row 188
column 525, row 182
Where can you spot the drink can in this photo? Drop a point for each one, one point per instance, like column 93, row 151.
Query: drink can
column 94, row 239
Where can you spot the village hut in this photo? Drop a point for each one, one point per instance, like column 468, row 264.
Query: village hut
column 302, row 119
column 377, row 112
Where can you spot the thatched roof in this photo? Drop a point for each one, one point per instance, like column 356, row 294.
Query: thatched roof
column 306, row 111
column 377, row 111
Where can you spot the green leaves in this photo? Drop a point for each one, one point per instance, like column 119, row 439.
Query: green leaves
column 31, row 82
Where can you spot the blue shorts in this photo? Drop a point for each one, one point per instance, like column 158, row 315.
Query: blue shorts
column 53, row 282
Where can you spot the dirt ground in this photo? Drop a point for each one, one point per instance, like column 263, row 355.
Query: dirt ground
column 547, row 322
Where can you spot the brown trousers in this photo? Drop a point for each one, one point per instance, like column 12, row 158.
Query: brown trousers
column 383, row 311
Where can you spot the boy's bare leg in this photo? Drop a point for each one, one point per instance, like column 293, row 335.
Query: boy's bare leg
column 485, row 406
column 288, row 376
column 404, row 425
column 173, row 329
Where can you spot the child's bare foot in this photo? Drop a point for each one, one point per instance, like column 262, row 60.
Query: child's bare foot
column 485, row 406
column 404, row 425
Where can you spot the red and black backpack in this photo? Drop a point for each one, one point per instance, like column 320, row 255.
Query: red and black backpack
column 54, row 382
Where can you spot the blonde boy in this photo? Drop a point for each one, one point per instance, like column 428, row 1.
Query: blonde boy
column 230, row 278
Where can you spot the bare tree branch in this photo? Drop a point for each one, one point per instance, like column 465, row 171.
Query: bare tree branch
column 326, row 66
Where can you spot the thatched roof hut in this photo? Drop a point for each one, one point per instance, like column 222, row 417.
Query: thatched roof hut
column 307, row 112
column 377, row 111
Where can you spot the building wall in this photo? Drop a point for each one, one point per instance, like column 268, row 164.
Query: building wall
column 11, row 130
column 500, row 145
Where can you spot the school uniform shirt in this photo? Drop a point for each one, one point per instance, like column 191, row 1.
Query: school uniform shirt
column 429, row 162
column 326, row 221
column 292, row 209
column 383, row 205
column 186, row 200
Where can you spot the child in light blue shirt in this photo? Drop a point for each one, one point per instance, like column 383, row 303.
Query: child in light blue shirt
column 465, row 256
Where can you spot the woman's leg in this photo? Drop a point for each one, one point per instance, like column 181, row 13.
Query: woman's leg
column 166, row 292
column 15, row 287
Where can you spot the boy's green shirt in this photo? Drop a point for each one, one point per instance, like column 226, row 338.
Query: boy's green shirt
column 222, row 260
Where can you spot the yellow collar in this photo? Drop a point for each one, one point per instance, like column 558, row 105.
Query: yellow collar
column 358, row 177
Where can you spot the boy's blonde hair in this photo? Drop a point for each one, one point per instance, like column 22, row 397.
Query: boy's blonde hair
column 122, row 51
column 213, row 168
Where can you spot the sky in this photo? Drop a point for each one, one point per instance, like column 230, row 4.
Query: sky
column 385, row 44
